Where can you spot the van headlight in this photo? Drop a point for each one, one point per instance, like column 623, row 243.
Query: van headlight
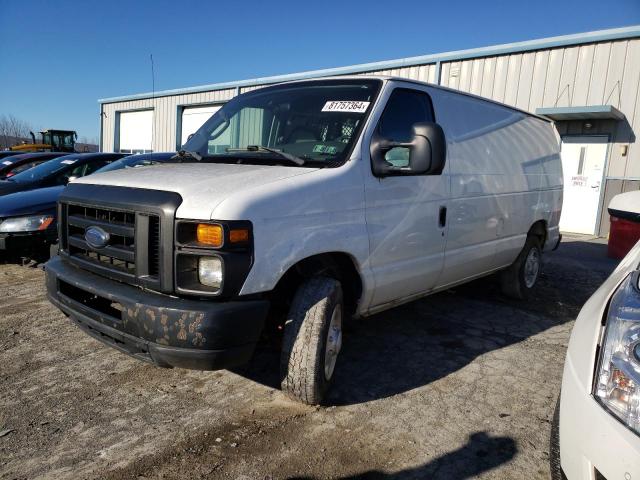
column 210, row 271
column 26, row 224
column 212, row 257
column 618, row 377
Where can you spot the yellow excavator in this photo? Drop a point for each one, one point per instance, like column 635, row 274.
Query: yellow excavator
column 51, row 140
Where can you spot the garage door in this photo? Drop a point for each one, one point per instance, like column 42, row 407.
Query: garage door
column 194, row 117
column 136, row 132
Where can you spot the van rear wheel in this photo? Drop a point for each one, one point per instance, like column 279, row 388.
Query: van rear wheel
column 520, row 278
column 312, row 340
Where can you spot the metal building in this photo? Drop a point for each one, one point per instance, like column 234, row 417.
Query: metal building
column 586, row 83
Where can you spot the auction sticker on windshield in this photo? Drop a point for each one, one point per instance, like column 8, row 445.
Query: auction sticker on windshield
column 345, row 106
column 6, row 162
column 68, row 162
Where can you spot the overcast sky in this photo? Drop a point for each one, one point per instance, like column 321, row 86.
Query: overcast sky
column 58, row 57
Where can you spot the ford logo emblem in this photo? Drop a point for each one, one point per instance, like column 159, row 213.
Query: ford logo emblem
column 96, row 237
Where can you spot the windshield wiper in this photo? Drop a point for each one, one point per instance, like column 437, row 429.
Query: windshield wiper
column 186, row 155
column 260, row 148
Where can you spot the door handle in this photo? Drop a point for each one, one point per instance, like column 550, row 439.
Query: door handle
column 442, row 217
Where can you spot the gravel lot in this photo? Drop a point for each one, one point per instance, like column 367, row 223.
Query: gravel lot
column 458, row 385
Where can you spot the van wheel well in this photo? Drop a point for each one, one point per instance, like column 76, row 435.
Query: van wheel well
column 336, row 265
column 539, row 229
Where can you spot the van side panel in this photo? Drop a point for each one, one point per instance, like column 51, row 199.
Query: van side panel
column 505, row 175
column 296, row 218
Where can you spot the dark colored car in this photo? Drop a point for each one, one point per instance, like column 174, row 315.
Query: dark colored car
column 9, row 153
column 28, row 219
column 57, row 171
column 14, row 164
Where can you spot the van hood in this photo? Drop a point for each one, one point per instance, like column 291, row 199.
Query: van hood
column 202, row 186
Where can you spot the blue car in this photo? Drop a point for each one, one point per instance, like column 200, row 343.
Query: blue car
column 58, row 171
column 28, row 219
column 14, row 164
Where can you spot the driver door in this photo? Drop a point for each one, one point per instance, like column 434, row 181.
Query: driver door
column 406, row 215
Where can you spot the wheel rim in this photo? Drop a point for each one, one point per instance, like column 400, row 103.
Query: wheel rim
column 531, row 267
column 334, row 342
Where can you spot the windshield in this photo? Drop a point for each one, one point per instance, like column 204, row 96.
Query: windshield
column 127, row 162
column 317, row 121
column 45, row 169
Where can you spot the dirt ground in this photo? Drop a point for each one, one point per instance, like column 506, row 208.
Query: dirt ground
column 458, row 385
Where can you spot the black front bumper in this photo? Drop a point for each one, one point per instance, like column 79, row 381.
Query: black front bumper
column 27, row 241
column 161, row 329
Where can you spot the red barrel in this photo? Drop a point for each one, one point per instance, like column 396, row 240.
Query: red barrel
column 624, row 210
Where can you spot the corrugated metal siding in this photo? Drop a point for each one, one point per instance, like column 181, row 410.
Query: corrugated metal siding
column 422, row 73
column 251, row 88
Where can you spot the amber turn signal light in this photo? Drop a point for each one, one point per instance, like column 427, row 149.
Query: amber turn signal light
column 45, row 223
column 239, row 235
column 211, row 235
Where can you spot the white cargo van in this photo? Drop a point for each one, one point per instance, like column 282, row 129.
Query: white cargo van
column 297, row 205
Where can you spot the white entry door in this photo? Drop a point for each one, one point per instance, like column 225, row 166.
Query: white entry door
column 583, row 162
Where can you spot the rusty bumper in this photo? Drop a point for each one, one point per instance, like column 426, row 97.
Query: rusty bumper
column 164, row 330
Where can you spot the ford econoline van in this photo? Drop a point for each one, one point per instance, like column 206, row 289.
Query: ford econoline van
column 298, row 205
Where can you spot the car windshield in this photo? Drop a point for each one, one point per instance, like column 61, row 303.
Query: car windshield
column 127, row 162
column 316, row 121
column 24, row 166
column 45, row 169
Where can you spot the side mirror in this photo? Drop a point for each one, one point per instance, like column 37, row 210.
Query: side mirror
column 427, row 152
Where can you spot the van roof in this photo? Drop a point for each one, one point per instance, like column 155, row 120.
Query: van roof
column 392, row 78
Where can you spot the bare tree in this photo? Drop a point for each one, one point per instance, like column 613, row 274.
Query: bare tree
column 12, row 130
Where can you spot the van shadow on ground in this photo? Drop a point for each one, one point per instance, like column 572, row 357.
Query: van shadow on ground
column 415, row 344
column 480, row 454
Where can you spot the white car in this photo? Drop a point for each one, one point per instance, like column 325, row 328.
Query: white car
column 298, row 204
column 596, row 427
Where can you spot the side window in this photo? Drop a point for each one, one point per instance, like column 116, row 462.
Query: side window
column 73, row 171
column 404, row 108
column 93, row 166
column 63, row 177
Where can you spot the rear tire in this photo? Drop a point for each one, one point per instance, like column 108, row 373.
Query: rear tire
column 312, row 340
column 520, row 278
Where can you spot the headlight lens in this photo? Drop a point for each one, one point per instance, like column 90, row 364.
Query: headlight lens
column 210, row 271
column 26, row 224
column 618, row 380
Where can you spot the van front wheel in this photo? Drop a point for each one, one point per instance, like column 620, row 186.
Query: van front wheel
column 520, row 278
column 312, row 340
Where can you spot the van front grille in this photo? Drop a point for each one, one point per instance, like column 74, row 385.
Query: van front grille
column 119, row 253
column 132, row 238
column 154, row 246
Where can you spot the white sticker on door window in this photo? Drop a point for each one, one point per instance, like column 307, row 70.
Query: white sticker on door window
column 579, row 180
column 68, row 162
column 354, row 106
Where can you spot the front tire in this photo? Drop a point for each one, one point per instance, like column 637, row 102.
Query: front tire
column 312, row 340
column 520, row 278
